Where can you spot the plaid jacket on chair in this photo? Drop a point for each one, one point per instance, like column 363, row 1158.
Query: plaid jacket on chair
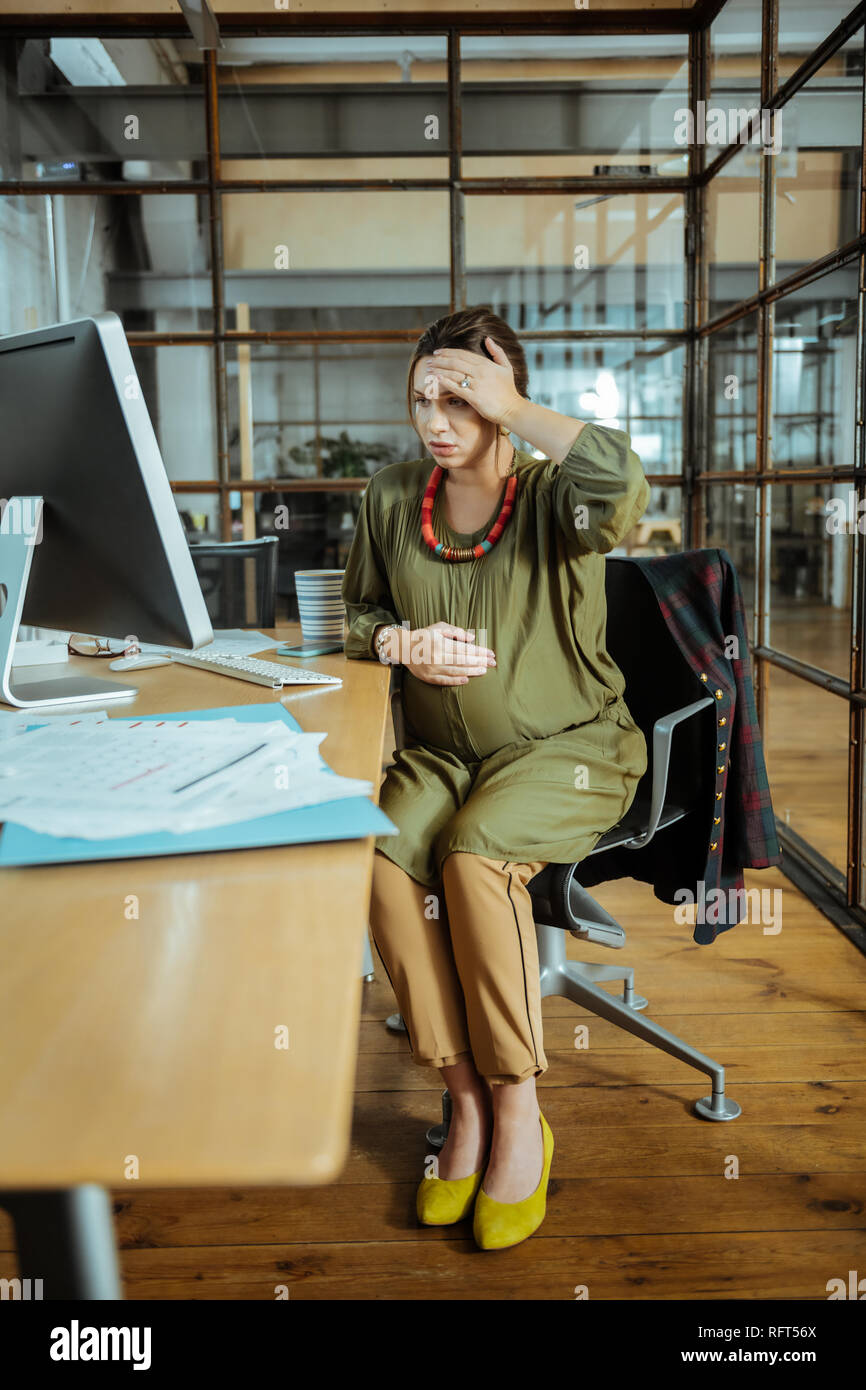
column 699, row 596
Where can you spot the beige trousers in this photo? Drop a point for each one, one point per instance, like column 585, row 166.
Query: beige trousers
column 462, row 960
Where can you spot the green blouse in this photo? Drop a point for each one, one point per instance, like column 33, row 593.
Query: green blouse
column 535, row 759
column 537, row 598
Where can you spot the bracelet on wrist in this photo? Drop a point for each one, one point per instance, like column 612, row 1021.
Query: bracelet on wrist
column 381, row 639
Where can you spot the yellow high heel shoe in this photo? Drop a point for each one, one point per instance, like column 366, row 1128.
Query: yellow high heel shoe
column 500, row 1224
column 442, row 1201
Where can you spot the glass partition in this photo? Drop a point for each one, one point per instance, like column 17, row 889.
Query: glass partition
column 815, row 374
column 802, row 26
column 808, row 790
column 143, row 256
column 334, row 107
column 318, row 410
column 730, row 423
column 818, row 167
column 345, row 260
column 729, row 524
column 78, row 108
column 587, row 104
column 734, row 78
column 733, row 231
column 612, row 261
column 811, row 572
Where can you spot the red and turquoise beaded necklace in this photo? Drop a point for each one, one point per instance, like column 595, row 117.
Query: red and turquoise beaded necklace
column 464, row 552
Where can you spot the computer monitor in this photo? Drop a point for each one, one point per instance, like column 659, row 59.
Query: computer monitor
column 108, row 557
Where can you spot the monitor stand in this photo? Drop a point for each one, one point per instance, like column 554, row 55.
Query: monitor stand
column 27, row 687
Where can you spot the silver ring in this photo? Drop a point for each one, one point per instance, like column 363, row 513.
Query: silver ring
column 466, row 381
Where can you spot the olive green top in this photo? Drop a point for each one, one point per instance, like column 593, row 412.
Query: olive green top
column 538, row 757
column 537, row 598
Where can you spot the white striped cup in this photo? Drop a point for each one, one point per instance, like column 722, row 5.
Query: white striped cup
column 320, row 603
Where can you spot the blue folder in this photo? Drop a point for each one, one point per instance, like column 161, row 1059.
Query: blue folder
column 348, row 818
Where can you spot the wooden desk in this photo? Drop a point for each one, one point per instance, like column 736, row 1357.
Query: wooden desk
column 151, row 1040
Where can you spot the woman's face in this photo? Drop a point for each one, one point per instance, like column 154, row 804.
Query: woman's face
column 449, row 420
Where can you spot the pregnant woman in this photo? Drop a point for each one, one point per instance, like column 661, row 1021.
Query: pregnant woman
column 480, row 568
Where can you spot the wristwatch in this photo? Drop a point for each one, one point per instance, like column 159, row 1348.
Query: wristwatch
column 381, row 638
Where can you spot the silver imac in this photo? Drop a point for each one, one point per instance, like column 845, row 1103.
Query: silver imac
column 90, row 537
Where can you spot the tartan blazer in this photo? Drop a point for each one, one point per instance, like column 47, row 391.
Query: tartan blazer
column 700, row 599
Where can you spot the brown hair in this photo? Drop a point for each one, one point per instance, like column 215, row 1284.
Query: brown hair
column 467, row 329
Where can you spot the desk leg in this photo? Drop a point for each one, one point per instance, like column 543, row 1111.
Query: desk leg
column 66, row 1239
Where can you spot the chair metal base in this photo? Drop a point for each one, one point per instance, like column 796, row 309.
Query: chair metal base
column 718, row 1106
column 578, row 981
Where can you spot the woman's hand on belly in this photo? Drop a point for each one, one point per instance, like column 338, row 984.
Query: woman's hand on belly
column 442, row 654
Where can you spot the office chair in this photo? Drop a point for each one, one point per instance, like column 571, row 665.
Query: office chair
column 303, row 544
column 673, row 788
column 238, row 580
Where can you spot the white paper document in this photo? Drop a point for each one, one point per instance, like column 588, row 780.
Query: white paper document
column 16, row 721
column 102, row 778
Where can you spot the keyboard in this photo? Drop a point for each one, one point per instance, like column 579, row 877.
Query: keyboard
column 249, row 668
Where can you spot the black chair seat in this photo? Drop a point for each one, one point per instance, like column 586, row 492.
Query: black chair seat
column 635, row 822
column 556, row 891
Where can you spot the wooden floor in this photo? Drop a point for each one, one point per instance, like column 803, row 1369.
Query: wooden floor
column 639, row 1204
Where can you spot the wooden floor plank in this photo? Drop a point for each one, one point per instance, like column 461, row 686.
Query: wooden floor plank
column 646, row 1066
column 596, row 1206
column 671, row 1265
